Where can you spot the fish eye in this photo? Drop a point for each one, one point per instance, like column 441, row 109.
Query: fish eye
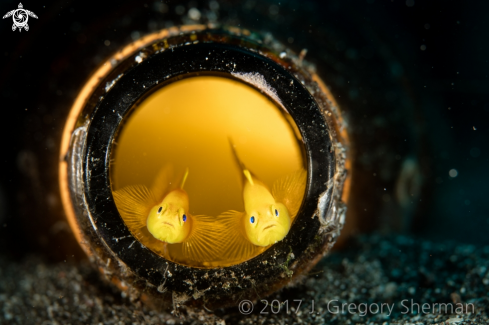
column 276, row 212
column 184, row 217
column 252, row 219
column 159, row 210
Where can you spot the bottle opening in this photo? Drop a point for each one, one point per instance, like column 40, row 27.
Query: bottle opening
column 208, row 171
column 213, row 134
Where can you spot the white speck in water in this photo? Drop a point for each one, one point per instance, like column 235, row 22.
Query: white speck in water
column 453, row 173
column 423, row 47
column 194, row 14
column 283, row 55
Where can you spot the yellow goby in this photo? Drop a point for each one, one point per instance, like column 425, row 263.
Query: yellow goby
column 168, row 221
column 268, row 215
column 160, row 219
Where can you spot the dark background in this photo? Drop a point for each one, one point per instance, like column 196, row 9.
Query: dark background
column 412, row 77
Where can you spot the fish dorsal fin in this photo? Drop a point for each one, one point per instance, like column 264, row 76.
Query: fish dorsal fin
column 235, row 155
column 162, row 183
column 134, row 203
column 184, row 178
column 168, row 180
column 248, row 176
column 237, row 247
column 290, row 190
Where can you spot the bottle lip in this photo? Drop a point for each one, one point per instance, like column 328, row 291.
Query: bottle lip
column 90, row 160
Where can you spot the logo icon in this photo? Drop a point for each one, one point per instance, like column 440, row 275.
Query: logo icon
column 20, row 17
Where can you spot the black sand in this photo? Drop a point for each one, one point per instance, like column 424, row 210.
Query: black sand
column 387, row 272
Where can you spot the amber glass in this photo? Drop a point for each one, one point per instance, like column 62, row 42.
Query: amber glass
column 189, row 124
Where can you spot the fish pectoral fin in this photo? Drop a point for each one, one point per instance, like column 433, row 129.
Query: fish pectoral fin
column 231, row 219
column 237, row 247
column 290, row 191
column 205, row 242
column 134, row 203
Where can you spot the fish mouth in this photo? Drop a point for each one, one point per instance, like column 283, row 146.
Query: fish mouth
column 268, row 227
column 169, row 224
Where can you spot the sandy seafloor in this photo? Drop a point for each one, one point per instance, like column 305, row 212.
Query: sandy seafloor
column 396, row 271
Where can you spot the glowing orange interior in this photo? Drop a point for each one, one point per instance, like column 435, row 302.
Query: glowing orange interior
column 188, row 124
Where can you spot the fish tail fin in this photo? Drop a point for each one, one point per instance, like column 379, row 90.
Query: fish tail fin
column 290, row 191
column 134, row 203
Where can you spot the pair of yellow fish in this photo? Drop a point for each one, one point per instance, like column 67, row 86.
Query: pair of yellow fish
column 159, row 217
